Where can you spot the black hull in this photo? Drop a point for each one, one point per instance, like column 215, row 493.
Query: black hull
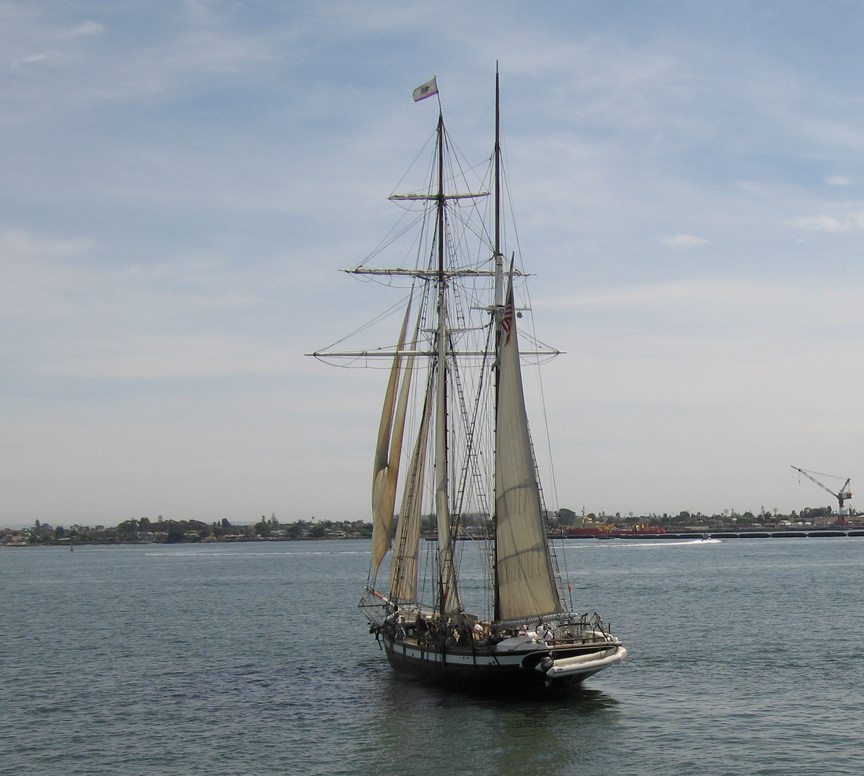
column 505, row 672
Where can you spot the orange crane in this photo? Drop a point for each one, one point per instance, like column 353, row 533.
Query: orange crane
column 843, row 495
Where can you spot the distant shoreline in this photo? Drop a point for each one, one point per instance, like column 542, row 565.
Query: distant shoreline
column 811, row 533
column 147, row 542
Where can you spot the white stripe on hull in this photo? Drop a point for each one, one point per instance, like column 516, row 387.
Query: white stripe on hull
column 539, row 666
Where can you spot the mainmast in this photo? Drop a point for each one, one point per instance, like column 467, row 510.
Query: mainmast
column 499, row 257
column 524, row 578
column 447, row 576
column 497, row 312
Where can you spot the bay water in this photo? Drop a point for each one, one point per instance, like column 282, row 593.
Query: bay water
column 252, row 659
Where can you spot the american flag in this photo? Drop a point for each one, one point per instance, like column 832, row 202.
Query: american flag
column 507, row 320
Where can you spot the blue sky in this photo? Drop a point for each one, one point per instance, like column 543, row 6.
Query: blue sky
column 182, row 181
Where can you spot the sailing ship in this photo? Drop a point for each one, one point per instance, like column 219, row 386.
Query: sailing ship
column 469, row 479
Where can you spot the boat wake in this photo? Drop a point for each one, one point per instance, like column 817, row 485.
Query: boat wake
column 656, row 543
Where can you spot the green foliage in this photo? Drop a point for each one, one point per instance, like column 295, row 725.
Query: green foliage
column 318, row 531
column 566, row 517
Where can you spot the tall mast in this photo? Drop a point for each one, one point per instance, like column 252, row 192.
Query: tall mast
column 524, row 576
column 498, row 311
column 448, row 598
column 499, row 258
column 441, row 205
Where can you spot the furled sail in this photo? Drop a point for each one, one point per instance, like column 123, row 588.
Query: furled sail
column 387, row 455
column 525, row 578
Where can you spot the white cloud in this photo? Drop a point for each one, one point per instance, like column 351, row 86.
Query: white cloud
column 32, row 59
column 683, row 241
column 831, row 224
column 695, row 291
column 85, row 29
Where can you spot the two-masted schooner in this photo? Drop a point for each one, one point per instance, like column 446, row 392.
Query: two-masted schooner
column 454, row 448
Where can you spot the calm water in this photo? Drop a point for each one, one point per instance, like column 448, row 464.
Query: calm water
column 745, row 658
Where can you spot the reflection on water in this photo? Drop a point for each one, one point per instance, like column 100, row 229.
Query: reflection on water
column 422, row 727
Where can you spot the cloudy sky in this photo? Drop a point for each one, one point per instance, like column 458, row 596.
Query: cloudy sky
column 181, row 181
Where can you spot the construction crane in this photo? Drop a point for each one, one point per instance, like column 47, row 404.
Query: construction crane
column 843, row 495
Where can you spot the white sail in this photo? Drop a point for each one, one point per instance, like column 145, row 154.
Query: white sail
column 525, row 578
column 404, row 566
column 387, row 455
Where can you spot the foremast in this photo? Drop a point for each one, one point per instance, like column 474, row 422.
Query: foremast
column 448, row 595
column 434, row 338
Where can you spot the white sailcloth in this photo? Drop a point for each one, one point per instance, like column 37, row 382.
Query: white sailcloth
column 387, row 454
column 404, row 566
column 524, row 573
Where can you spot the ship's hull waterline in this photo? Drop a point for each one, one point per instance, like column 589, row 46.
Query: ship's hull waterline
column 542, row 667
